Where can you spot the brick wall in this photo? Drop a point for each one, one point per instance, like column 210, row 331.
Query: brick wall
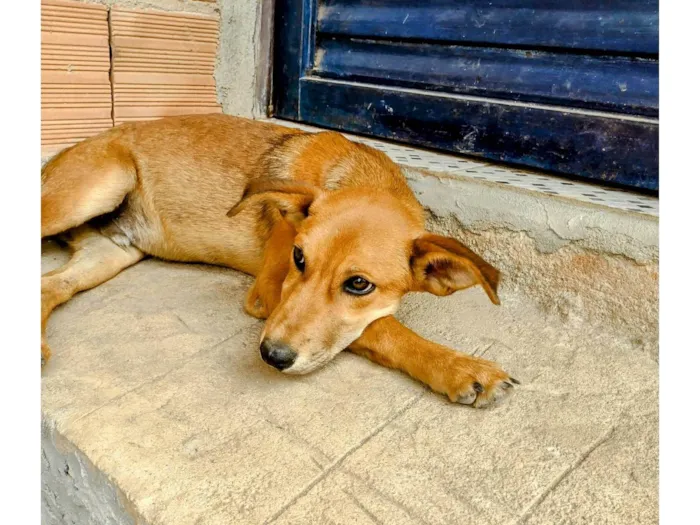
column 161, row 64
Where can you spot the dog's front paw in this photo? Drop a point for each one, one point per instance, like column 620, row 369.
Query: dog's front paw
column 476, row 382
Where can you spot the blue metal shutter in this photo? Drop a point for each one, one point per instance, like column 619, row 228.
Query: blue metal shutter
column 566, row 87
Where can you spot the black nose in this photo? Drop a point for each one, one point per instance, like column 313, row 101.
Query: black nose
column 277, row 354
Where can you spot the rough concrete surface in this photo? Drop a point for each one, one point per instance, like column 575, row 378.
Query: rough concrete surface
column 243, row 64
column 552, row 221
column 584, row 263
column 73, row 491
column 158, row 410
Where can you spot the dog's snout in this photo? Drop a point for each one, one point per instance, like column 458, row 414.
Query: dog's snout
column 277, row 354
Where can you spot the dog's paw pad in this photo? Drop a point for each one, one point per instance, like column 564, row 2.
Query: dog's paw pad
column 477, row 382
column 467, row 399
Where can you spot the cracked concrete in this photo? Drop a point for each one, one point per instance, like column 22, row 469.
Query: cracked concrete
column 157, row 400
column 560, row 222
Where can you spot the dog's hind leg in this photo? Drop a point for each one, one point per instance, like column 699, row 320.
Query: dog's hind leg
column 95, row 259
column 83, row 182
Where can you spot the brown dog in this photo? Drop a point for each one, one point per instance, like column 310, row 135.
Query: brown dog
column 329, row 228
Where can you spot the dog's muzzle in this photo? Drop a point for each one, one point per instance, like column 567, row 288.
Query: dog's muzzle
column 277, row 354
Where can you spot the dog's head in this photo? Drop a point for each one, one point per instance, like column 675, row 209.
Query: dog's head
column 356, row 253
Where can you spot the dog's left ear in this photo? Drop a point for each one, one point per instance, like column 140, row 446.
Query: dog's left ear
column 442, row 265
column 290, row 199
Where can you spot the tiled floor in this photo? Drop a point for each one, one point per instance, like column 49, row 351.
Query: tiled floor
column 525, row 179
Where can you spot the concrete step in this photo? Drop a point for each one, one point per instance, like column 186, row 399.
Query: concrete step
column 157, row 409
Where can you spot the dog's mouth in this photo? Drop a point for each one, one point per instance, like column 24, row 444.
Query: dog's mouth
column 305, row 365
column 306, row 360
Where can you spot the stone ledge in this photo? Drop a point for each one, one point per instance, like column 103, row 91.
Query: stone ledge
column 73, row 490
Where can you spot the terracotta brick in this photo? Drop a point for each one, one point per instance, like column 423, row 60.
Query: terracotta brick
column 163, row 64
column 76, row 96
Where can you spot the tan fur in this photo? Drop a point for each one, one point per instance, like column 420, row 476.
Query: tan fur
column 239, row 193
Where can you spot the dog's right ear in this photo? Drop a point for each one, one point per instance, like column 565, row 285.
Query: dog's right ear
column 442, row 265
column 290, row 199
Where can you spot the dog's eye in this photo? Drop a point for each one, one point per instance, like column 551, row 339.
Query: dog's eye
column 299, row 260
column 358, row 286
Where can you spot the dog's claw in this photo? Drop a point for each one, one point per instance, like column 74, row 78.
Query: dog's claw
column 479, row 396
column 513, row 380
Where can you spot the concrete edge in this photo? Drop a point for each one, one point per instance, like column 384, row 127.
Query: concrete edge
column 551, row 221
column 74, row 490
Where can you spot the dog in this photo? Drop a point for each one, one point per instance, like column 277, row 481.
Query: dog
column 329, row 228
